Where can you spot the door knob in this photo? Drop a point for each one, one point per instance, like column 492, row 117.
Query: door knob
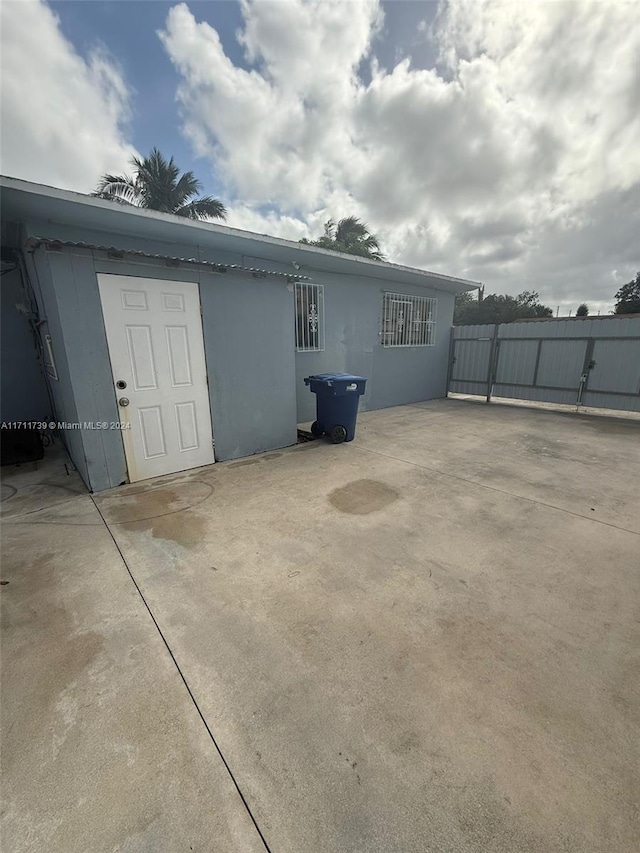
column 123, row 401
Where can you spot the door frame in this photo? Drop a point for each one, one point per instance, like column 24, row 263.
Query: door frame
column 128, row 448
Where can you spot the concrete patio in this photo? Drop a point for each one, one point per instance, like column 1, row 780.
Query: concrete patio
column 424, row 641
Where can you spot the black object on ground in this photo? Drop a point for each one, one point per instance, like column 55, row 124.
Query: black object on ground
column 20, row 445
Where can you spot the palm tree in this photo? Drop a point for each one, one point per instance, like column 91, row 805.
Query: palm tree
column 349, row 235
column 157, row 184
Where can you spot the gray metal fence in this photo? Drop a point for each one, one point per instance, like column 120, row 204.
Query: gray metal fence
column 589, row 362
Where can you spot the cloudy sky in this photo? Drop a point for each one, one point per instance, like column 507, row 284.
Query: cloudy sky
column 494, row 140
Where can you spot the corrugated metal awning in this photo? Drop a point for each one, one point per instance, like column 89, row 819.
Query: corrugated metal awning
column 116, row 253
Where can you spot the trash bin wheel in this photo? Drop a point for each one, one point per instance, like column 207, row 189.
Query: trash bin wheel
column 338, row 434
column 316, row 429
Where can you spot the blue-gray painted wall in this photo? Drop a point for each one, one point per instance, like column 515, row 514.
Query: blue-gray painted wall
column 256, row 387
column 75, row 285
column 23, row 393
column 353, row 319
column 248, row 326
column 249, row 345
column 62, row 389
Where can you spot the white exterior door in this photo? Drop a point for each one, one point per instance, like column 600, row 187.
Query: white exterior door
column 154, row 333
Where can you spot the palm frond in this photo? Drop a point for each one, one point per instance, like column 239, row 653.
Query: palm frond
column 350, row 236
column 157, row 177
column 120, row 188
column 350, row 228
column 109, row 180
column 158, row 185
column 356, row 238
column 329, row 230
column 205, row 207
column 186, row 187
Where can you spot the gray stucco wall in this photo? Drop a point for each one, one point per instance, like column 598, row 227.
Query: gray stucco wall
column 61, row 388
column 395, row 375
column 80, row 312
column 256, row 386
column 353, row 312
column 23, row 394
column 249, row 343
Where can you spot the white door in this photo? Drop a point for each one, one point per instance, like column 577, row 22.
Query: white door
column 154, row 333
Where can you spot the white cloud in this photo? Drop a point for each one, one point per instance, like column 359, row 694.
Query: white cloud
column 272, row 222
column 63, row 117
column 287, row 113
column 516, row 162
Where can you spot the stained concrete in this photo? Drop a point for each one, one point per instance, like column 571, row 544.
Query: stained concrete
column 102, row 748
column 423, row 640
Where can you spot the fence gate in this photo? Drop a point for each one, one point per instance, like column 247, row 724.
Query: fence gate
column 591, row 362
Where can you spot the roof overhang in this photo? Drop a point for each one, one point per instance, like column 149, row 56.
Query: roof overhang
column 24, row 200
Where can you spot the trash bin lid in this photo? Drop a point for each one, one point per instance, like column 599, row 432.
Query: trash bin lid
column 332, row 377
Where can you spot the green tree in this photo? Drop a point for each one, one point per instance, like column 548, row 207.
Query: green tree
column 496, row 308
column 466, row 309
column 628, row 297
column 349, row 235
column 583, row 310
column 156, row 183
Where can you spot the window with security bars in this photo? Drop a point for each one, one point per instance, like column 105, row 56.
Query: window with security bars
column 309, row 317
column 408, row 321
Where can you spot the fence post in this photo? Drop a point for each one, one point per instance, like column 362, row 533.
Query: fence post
column 452, row 343
column 535, row 369
column 493, row 357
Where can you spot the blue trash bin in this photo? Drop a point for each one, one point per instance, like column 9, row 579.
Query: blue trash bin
column 337, row 398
